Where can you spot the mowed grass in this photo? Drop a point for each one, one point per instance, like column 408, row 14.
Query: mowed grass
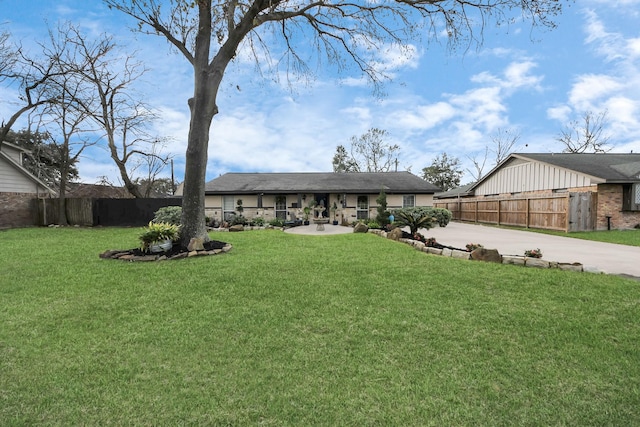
column 307, row 330
column 629, row 237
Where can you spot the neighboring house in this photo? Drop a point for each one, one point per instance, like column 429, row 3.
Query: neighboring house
column 19, row 189
column 284, row 195
column 561, row 191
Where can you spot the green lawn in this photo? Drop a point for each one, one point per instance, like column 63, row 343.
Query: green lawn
column 623, row 237
column 307, row 330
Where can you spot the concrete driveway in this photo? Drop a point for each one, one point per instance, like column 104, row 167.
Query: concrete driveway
column 594, row 256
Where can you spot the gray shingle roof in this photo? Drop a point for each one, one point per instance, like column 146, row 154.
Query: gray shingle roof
column 612, row 167
column 326, row 182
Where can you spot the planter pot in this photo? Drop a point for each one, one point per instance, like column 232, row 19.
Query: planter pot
column 162, row 246
column 335, row 222
column 306, row 222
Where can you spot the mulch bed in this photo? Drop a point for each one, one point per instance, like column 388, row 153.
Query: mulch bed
column 212, row 247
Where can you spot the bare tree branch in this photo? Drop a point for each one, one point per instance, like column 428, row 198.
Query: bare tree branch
column 586, row 135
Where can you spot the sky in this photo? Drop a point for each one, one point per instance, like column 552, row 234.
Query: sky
column 532, row 82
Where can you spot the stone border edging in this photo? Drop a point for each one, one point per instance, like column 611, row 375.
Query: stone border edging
column 504, row 259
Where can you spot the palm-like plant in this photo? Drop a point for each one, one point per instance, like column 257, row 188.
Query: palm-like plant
column 414, row 218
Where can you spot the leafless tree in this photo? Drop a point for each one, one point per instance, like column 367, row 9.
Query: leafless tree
column 30, row 74
column 503, row 142
column 70, row 123
column 209, row 34
column 586, row 135
column 107, row 97
column 479, row 162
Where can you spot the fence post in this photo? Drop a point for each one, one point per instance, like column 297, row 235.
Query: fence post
column 475, row 215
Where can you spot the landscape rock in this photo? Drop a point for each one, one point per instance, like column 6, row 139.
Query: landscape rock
column 487, row 255
column 459, row 254
column 195, row 244
column 360, row 228
column 576, row 266
column 395, row 234
column 237, row 227
column 434, row 251
column 536, row 262
column 515, row 260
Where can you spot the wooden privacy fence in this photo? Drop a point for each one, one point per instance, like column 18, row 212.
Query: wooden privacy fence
column 106, row 212
column 562, row 212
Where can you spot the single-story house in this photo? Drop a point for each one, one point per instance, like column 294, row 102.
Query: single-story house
column 561, row 191
column 19, row 189
column 284, row 195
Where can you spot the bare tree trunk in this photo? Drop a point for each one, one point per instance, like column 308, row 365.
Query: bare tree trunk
column 62, row 198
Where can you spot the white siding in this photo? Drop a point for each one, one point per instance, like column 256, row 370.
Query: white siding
column 14, row 181
column 519, row 177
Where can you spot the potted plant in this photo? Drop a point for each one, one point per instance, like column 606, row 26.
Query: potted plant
column 334, row 209
column 158, row 236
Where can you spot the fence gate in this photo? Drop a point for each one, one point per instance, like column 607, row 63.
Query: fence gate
column 581, row 212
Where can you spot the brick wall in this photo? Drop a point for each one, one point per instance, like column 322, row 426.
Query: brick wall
column 610, row 204
column 18, row 210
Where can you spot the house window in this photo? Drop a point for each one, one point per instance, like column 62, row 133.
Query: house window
column 631, row 197
column 228, row 207
column 362, row 209
column 408, row 201
column 281, row 207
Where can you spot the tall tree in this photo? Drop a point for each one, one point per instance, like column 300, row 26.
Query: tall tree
column 209, row 35
column 31, row 75
column 369, row 153
column 444, row 172
column 66, row 119
column 107, row 76
column 586, row 135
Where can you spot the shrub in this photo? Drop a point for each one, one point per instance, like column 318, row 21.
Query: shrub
column 442, row 216
column 258, row 221
column 169, row 215
column 373, row 224
column 276, row 222
column 383, row 215
column 237, row 220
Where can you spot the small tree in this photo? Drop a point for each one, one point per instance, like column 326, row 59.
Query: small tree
column 382, row 217
column 444, row 172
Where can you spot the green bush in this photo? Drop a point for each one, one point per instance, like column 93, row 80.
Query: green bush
column 373, row 224
column 169, row 215
column 276, row 222
column 257, row 221
column 238, row 220
column 442, row 216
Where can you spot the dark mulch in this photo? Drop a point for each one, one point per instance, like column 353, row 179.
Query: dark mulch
column 178, row 249
column 176, row 252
